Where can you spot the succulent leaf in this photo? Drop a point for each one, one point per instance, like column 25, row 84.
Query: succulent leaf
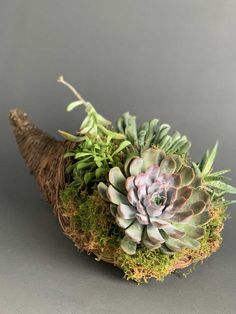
column 209, row 158
column 219, row 185
column 128, row 246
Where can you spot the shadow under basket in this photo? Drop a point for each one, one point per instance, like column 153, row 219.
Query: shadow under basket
column 86, row 219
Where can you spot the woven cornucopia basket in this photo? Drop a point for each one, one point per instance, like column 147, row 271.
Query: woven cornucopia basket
column 44, row 156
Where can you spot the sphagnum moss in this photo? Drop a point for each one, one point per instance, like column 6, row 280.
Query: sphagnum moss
column 91, row 215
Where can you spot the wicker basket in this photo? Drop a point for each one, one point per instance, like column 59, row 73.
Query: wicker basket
column 44, row 156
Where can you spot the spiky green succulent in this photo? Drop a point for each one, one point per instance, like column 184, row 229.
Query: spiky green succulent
column 158, row 202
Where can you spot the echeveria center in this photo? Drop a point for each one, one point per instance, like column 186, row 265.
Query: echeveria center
column 159, row 200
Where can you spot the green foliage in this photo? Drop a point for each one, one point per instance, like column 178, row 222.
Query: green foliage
column 99, row 147
column 207, row 161
column 213, row 181
column 150, row 133
column 93, row 159
column 93, row 125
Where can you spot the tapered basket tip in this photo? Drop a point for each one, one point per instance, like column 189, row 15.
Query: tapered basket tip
column 18, row 118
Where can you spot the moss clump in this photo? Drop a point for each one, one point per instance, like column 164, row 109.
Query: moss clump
column 90, row 216
column 93, row 229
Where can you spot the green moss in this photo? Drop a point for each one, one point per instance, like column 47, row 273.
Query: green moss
column 90, row 215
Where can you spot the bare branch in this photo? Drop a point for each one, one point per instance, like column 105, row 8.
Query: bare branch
column 74, row 91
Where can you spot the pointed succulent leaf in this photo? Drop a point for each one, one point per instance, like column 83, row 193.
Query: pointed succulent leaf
column 187, row 175
column 123, row 223
column 179, row 203
column 70, row 137
column 99, row 172
column 126, row 211
column 175, row 144
column 113, row 209
column 128, row 161
column 165, row 250
column 88, row 177
column 159, row 223
column 173, row 232
column 174, row 245
column 121, row 147
column 82, row 165
column 178, row 162
column 163, row 131
column 190, row 243
column 74, row 104
column 127, row 125
column 117, row 179
column 183, row 149
column 142, row 218
column 148, row 243
column 165, row 143
column 116, row 197
column 185, row 192
column 152, row 156
column 228, row 203
column 198, row 207
column 134, row 232
column 201, row 220
column 88, row 127
column 168, row 166
column 129, row 183
column 102, row 190
column 207, row 166
column 199, row 194
column 154, row 235
column 216, row 175
column 196, row 170
column 152, row 125
column 175, row 137
column 192, row 231
column 136, row 166
column 175, row 180
column 131, row 130
column 204, row 160
column 69, row 154
column 142, row 133
column 128, row 246
column 182, row 216
column 224, row 187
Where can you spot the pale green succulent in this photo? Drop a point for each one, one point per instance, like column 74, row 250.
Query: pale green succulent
column 151, row 133
column 158, row 202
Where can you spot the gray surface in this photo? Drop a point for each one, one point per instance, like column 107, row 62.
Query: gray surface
column 172, row 59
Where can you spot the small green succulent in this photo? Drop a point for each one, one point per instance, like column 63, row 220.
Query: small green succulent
column 150, row 133
column 157, row 202
column 93, row 159
column 98, row 145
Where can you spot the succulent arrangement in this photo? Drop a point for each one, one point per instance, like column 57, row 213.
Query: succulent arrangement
column 132, row 195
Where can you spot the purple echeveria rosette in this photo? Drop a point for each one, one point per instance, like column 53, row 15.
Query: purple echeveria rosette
column 157, row 202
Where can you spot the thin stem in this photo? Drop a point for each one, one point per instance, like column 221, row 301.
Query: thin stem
column 74, row 91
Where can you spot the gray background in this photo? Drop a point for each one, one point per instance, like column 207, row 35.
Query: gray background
column 175, row 60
